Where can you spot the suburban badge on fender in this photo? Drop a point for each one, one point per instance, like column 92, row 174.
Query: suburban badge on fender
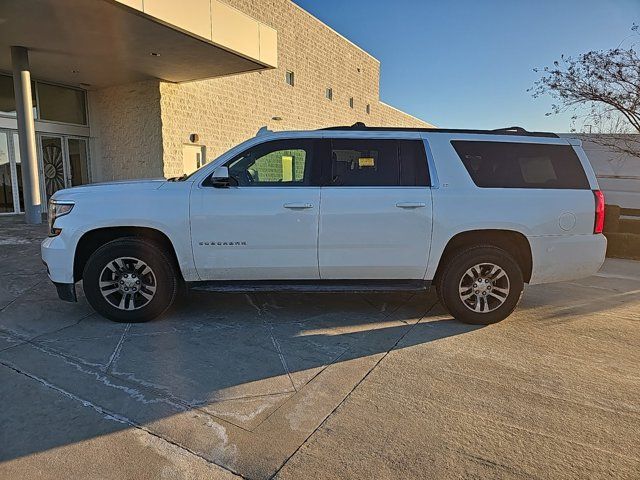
column 222, row 244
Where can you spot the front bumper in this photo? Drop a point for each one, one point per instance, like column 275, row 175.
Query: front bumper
column 59, row 262
column 57, row 254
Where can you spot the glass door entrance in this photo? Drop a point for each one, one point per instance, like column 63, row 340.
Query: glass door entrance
column 64, row 163
column 10, row 181
column 78, row 153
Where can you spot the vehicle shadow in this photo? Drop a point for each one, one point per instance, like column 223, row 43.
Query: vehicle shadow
column 228, row 357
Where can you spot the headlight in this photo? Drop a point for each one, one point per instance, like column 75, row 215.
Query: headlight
column 56, row 210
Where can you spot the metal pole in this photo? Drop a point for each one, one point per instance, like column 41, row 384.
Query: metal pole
column 26, row 134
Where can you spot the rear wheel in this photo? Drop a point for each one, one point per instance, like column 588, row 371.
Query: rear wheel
column 481, row 285
column 130, row 280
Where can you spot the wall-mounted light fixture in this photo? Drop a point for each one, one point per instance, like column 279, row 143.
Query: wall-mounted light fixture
column 194, row 137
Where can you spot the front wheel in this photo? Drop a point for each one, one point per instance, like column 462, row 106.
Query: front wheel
column 130, row 280
column 481, row 285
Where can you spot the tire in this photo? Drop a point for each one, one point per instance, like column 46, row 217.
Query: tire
column 481, row 285
column 151, row 281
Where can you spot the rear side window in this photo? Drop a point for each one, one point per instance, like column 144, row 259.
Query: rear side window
column 521, row 165
column 377, row 163
column 413, row 163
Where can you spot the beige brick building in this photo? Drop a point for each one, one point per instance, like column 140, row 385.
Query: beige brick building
column 160, row 86
column 140, row 129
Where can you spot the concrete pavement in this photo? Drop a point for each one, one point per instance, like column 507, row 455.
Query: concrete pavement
column 318, row 386
column 550, row 393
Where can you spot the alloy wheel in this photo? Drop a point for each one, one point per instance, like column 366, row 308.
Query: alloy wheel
column 127, row 283
column 484, row 287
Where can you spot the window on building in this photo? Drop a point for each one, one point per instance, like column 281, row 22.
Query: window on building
column 62, row 104
column 521, row 165
column 378, row 163
column 289, row 77
column 50, row 102
column 329, row 93
column 368, row 109
column 278, row 163
column 351, row 102
column 8, row 98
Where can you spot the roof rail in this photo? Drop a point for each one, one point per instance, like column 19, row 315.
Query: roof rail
column 359, row 126
column 518, row 130
column 263, row 131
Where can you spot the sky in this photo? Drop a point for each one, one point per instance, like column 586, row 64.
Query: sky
column 469, row 63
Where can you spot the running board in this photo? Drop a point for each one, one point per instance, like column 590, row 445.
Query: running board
column 312, row 286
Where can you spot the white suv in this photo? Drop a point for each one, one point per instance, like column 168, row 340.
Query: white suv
column 476, row 213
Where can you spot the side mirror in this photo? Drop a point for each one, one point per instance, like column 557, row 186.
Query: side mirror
column 220, row 177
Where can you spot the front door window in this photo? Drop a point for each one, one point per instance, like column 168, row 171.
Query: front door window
column 277, row 164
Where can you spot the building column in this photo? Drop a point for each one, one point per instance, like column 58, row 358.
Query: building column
column 26, row 134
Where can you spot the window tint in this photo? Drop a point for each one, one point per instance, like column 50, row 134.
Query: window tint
column 381, row 163
column 413, row 163
column 62, row 104
column 8, row 99
column 278, row 163
column 521, row 165
column 359, row 163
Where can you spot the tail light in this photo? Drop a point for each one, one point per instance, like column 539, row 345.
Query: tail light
column 598, row 226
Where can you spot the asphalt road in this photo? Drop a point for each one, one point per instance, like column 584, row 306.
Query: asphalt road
column 318, row 386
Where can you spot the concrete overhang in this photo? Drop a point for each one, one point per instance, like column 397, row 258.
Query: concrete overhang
column 99, row 43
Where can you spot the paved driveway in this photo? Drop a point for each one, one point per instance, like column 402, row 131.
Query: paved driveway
column 318, row 386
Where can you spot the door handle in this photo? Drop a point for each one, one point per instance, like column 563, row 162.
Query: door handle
column 298, row 206
column 411, row 204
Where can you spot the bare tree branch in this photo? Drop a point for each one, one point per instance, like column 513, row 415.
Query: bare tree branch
column 601, row 88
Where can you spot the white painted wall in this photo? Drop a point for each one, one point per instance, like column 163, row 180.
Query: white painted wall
column 618, row 173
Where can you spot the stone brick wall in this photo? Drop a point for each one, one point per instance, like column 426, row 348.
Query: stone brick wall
column 138, row 130
column 126, row 132
column 226, row 111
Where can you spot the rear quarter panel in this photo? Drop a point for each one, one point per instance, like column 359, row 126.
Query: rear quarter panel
column 544, row 216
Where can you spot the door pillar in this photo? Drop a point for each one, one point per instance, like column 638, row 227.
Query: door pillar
column 26, row 134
